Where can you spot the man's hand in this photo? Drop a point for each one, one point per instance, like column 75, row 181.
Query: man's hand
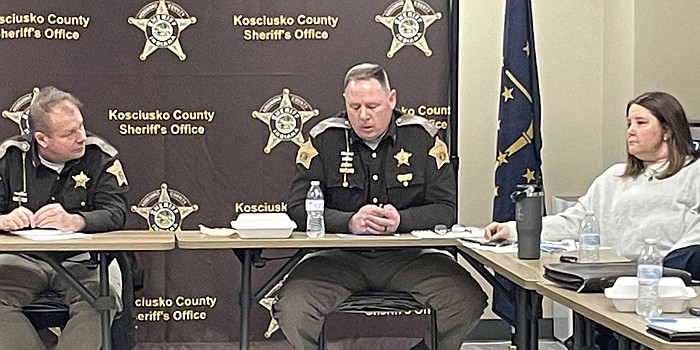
column 54, row 216
column 20, row 217
column 496, row 231
column 376, row 220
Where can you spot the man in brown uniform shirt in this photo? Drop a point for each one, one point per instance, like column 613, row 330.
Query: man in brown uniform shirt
column 64, row 178
column 381, row 172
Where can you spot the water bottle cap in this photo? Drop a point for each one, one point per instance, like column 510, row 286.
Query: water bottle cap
column 315, row 183
column 650, row 240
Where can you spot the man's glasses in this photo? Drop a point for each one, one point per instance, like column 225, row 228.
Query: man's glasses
column 442, row 229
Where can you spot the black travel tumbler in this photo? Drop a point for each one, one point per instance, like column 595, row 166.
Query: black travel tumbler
column 528, row 220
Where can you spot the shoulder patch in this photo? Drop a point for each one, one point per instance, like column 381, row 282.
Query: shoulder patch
column 306, row 153
column 118, row 172
column 102, row 144
column 333, row 122
column 21, row 144
column 439, row 152
column 409, row 119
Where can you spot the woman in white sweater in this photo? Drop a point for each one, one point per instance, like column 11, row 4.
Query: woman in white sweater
column 656, row 194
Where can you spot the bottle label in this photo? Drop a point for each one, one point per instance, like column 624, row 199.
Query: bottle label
column 314, row 204
column 649, row 272
column 589, row 239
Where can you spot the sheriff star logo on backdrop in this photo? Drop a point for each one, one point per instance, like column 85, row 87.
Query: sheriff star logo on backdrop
column 162, row 22
column 162, row 214
column 408, row 21
column 285, row 116
column 19, row 111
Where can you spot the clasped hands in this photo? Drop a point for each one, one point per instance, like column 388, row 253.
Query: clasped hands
column 375, row 220
column 49, row 216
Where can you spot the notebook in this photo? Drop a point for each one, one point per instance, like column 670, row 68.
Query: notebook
column 675, row 329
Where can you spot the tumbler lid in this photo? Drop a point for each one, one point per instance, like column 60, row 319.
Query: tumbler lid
column 526, row 190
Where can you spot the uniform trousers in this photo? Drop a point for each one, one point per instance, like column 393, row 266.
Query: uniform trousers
column 22, row 277
column 318, row 284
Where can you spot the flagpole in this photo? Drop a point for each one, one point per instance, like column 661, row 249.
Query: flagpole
column 453, row 43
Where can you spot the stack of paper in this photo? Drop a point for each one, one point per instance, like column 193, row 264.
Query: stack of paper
column 40, row 234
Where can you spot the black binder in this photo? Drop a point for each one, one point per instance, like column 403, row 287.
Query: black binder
column 674, row 336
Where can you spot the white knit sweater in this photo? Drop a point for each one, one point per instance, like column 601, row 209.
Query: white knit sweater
column 630, row 210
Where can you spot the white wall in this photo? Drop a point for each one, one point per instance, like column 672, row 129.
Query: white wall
column 618, row 76
column 569, row 42
column 593, row 57
column 667, row 50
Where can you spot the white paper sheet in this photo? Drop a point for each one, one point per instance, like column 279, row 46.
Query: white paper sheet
column 675, row 324
column 511, row 248
column 41, row 234
column 470, row 232
column 354, row 236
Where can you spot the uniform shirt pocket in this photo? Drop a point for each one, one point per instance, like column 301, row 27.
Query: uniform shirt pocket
column 406, row 188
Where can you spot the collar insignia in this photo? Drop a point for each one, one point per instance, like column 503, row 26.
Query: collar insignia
column 81, row 180
column 118, row 172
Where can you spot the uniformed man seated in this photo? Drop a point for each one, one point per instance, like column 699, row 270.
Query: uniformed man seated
column 381, row 172
column 57, row 177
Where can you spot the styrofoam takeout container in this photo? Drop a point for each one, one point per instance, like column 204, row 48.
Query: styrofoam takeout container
column 264, row 225
column 673, row 293
column 216, row 231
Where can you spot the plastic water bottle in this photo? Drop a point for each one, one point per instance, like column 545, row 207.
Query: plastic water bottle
column 649, row 272
column 589, row 239
column 315, row 225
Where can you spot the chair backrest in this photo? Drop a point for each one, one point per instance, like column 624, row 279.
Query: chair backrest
column 370, row 302
column 375, row 301
column 47, row 310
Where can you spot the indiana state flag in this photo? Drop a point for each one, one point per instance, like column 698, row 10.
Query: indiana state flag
column 519, row 141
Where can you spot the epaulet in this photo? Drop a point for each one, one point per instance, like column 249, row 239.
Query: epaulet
column 409, row 119
column 23, row 145
column 102, row 144
column 333, row 122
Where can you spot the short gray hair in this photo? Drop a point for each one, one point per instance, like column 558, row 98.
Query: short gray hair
column 47, row 98
column 367, row 71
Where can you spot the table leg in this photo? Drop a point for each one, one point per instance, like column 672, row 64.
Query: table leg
column 521, row 326
column 104, row 312
column 104, row 302
column 534, row 305
column 526, row 327
column 245, row 298
column 280, row 274
column 527, row 304
column 590, row 330
column 579, row 331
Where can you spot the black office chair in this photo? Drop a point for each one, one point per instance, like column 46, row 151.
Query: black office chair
column 48, row 309
column 374, row 301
